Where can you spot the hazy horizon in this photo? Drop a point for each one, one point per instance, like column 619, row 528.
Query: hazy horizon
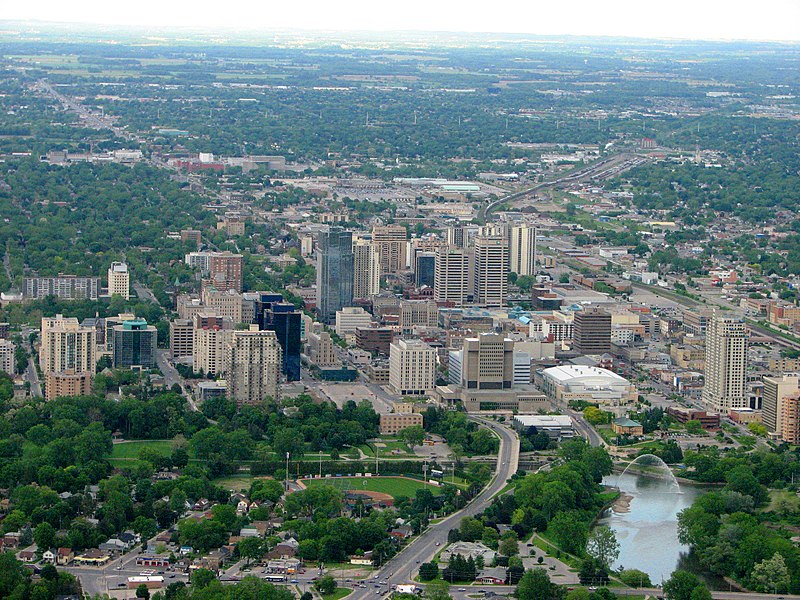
column 713, row 20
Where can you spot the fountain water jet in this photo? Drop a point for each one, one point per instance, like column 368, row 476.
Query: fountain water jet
column 653, row 460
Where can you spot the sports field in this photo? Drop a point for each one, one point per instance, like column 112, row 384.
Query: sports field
column 394, row 486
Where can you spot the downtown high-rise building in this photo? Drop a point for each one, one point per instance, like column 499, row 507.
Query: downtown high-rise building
column 253, row 366
column 591, row 331
column 334, row 273
column 225, row 271
column 67, row 356
column 491, row 270
column 119, row 280
column 424, row 268
column 366, row 269
column 134, row 344
column 390, row 243
column 522, row 243
column 725, row 386
column 451, row 276
column 777, row 392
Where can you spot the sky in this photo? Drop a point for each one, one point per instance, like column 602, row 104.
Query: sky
column 768, row 20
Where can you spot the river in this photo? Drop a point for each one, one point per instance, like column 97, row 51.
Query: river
column 648, row 532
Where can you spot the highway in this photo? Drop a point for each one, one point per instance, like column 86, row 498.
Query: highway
column 400, row 569
column 600, row 170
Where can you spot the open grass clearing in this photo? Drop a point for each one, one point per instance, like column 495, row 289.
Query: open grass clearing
column 130, row 450
column 394, row 486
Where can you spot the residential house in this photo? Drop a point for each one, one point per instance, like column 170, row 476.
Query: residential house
column 402, row 533
column 114, row 546
column 27, row 556
column 64, row 556
column 49, row 556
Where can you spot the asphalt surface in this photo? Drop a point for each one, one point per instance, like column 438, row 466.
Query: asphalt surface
column 401, row 568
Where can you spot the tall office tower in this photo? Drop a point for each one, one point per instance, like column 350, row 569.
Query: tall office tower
column 67, row 356
column 252, row 366
column 285, row 320
column 486, row 362
column 334, row 273
column 491, row 270
column 119, row 280
column 523, row 250
column 225, row 271
column 457, row 237
column 226, row 303
column 424, row 268
column 181, row 338
column 726, row 364
column 7, row 356
column 263, row 303
column 211, row 334
column 412, row 367
column 790, row 419
column 366, row 269
column 451, row 277
column 390, row 242
column 134, row 344
column 776, row 390
column 591, row 331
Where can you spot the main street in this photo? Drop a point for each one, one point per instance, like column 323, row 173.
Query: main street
column 401, row 568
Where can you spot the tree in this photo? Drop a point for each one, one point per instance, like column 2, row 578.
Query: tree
column 595, row 416
column 325, row 585
column 250, row 548
column 693, row 427
column 569, row 531
column 771, row 574
column 602, row 545
column 143, row 592
column 438, row 589
column 12, row 575
column 412, row 436
column 536, row 585
column 428, row 571
column 44, row 535
column 635, row 578
column 701, row 592
column 680, row 585
column 202, row 578
column 509, row 546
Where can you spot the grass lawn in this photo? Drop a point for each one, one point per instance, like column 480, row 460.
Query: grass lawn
column 388, row 447
column 234, row 482
column 339, row 592
column 130, row 450
column 394, row 486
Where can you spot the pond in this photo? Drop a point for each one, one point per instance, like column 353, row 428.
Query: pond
column 645, row 521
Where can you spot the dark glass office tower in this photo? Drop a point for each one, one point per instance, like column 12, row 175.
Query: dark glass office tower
column 425, row 268
column 334, row 273
column 284, row 319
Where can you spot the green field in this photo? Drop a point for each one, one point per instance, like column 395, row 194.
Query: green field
column 130, row 450
column 394, row 486
column 338, row 593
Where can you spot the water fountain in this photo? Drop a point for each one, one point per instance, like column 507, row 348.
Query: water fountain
column 651, row 460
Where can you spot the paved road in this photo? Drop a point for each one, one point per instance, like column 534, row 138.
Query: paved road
column 400, row 568
column 171, row 376
column 31, row 375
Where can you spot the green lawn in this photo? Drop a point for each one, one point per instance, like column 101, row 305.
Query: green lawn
column 130, row 450
column 394, row 486
column 338, row 593
column 782, row 501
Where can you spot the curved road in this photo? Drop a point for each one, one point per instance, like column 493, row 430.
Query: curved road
column 400, row 569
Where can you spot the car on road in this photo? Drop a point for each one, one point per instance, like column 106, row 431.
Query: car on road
column 295, row 581
column 438, row 544
column 462, row 589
